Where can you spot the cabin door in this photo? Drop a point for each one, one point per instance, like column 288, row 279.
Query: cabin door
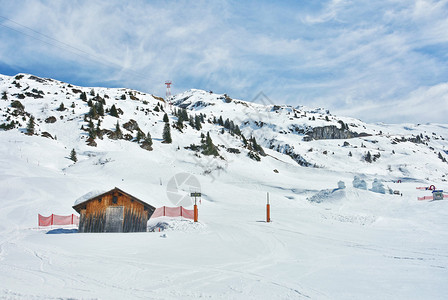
column 114, row 219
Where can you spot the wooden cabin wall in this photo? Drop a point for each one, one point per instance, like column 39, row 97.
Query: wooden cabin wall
column 135, row 216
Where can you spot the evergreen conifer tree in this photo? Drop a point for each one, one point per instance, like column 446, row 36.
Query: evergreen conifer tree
column 208, row 147
column 165, row 118
column 99, row 108
column 148, row 139
column 368, row 157
column 83, row 96
column 140, row 136
column 30, row 126
column 113, row 111
column 73, row 155
column 118, row 132
column 93, row 114
column 197, row 122
column 184, row 114
column 61, row 107
column 237, row 130
column 227, row 124
column 167, row 134
column 180, row 124
column 98, row 130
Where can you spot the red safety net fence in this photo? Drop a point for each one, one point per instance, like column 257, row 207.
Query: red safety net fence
column 445, row 196
column 425, row 198
column 165, row 211
column 58, row 220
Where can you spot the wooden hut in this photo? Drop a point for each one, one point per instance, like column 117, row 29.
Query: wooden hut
column 113, row 211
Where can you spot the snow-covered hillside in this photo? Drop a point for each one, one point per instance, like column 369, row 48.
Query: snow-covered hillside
column 350, row 243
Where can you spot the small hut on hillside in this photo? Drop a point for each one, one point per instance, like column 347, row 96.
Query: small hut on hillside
column 112, row 211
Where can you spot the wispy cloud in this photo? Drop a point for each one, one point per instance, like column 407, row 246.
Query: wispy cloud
column 343, row 55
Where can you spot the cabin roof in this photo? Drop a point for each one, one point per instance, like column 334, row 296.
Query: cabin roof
column 81, row 204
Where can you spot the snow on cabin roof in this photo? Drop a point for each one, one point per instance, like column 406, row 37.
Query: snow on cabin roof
column 96, row 193
column 89, row 195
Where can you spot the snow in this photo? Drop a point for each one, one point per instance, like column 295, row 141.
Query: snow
column 348, row 244
column 377, row 187
column 89, row 195
column 359, row 183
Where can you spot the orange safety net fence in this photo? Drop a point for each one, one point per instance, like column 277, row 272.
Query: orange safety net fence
column 58, row 220
column 165, row 211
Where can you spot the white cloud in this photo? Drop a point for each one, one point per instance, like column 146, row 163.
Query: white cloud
column 338, row 55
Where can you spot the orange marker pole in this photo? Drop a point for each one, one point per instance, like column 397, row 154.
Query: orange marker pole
column 195, row 213
column 268, row 211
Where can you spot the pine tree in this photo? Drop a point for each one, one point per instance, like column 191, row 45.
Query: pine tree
column 257, row 147
column 184, row 114
column 165, row 118
column 61, row 107
column 180, row 124
column 368, row 157
column 167, row 134
column 118, row 133
column 98, row 130
column 220, row 121
column 147, row 142
column 227, row 124
column 99, row 108
column 73, row 155
column 93, row 114
column 113, row 111
column 209, row 148
column 92, row 92
column 83, row 96
column 140, row 136
column 30, row 126
column 237, row 130
column 148, row 139
column 197, row 122
column 4, row 95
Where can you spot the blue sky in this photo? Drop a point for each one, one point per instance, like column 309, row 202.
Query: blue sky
column 380, row 61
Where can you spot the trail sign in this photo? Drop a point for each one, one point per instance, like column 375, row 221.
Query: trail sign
column 195, row 194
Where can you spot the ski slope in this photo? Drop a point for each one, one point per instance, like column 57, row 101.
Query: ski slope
column 354, row 244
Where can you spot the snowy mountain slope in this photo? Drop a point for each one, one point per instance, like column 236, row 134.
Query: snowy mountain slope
column 354, row 244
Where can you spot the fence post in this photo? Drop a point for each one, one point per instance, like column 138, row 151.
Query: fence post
column 52, row 220
column 181, row 211
column 164, row 211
